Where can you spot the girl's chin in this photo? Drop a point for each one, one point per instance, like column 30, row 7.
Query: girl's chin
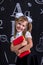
column 18, row 30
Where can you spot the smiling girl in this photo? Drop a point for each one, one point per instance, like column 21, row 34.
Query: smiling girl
column 22, row 27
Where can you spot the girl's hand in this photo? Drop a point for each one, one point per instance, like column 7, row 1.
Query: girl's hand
column 24, row 43
column 14, row 49
column 17, row 52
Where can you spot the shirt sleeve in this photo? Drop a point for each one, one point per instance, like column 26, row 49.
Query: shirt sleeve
column 12, row 38
column 28, row 35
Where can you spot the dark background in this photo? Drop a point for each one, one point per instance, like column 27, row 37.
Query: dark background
column 35, row 10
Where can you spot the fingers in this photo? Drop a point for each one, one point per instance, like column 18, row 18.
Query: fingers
column 24, row 43
column 19, row 53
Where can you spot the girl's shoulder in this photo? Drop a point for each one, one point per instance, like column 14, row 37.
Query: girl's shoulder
column 12, row 38
column 28, row 35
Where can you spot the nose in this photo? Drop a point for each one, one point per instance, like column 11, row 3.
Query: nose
column 21, row 26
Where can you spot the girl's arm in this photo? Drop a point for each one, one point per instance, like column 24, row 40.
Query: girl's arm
column 16, row 48
column 27, row 47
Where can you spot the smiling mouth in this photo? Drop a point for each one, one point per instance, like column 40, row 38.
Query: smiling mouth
column 18, row 28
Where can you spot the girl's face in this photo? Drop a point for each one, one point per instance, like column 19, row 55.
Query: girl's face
column 21, row 26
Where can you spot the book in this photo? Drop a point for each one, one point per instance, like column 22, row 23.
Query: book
column 17, row 41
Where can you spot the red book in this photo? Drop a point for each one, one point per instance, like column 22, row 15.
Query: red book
column 18, row 41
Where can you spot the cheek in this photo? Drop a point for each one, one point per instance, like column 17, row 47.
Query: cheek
column 17, row 25
column 24, row 28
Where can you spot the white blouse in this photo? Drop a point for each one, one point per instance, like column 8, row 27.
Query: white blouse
column 27, row 35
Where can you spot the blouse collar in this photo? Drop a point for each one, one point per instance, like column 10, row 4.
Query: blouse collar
column 18, row 34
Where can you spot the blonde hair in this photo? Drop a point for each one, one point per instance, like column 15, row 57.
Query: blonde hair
column 22, row 19
column 29, row 27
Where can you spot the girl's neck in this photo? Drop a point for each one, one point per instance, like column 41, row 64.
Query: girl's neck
column 19, row 32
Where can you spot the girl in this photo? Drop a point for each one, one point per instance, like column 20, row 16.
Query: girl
column 22, row 27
